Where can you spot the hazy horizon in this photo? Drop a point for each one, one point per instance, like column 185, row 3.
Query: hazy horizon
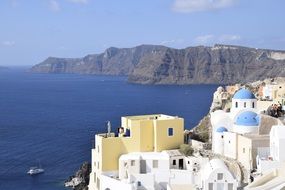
column 31, row 65
column 34, row 30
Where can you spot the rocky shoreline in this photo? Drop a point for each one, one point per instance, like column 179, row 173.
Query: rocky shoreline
column 80, row 180
column 202, row 132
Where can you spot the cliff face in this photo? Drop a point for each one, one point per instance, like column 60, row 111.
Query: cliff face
column 113, row 61
column 150, row 64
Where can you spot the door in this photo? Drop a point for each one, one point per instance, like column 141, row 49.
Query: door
column 181, row 164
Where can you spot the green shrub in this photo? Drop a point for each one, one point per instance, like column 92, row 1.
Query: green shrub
column 186, row 149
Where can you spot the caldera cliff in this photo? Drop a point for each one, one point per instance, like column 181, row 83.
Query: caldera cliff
column 154, row 64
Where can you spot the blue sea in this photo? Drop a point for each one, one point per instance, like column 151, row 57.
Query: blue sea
column 54, row 117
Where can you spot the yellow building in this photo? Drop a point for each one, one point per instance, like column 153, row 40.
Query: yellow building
column 146, row 133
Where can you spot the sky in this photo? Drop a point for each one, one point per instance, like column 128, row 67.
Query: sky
column 32, row 30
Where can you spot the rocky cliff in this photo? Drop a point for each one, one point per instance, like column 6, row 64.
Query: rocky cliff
column 151, row 64
column 80, row 180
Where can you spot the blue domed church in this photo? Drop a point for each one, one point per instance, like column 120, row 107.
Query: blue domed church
column 235, row 134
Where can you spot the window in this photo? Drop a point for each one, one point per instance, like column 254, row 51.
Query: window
column 243, row 150
column 98, row 165
column 132, row 163
column 128, row 133
column 170, row 131
column 139, row 183
column 188, row 162
column 155, row 163
column 236, row 104
column 230, row 186
column 244, row 104
column 229, row 142
column 220, row 186
column 98, row 148
column 220, row 176
column 107, row 189
column 211, row 186
column 252, row 104
column 174, row 162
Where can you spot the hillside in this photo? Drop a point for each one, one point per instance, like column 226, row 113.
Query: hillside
column 153, row 64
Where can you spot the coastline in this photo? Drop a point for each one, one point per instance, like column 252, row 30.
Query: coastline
column 203, row 131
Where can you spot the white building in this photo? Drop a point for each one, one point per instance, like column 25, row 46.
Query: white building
column 238, row 134
column 216, row 176
column 246, row 122
column 149, row 170
column 166, row 170
column 242, row 119
column 277, row 143
column 241, row 134
column 219, row 140
column 267, row 92
column 272, row 157
column 243, row 100
column 270, row 180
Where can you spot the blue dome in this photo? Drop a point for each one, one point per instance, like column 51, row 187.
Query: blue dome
column 244, row 94
column 222, row 129
column 247, row 118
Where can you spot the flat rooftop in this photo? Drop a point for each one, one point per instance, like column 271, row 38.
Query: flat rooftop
column 144, row 155
column 181, row 187
column 257, row 136
column 151, row 117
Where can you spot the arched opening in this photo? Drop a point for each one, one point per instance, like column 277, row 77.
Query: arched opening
column 253, row 105
column 244, row 104
column 236, row 104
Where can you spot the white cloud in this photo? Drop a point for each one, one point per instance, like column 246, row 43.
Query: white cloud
column 8, row 43
column 205, row 39
column 227, row 37
column 175, row 41
column 211, row 39
column 62, row 48
column 164, row 42
column 54, row 5
column 79, row 1
column 188, row 6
